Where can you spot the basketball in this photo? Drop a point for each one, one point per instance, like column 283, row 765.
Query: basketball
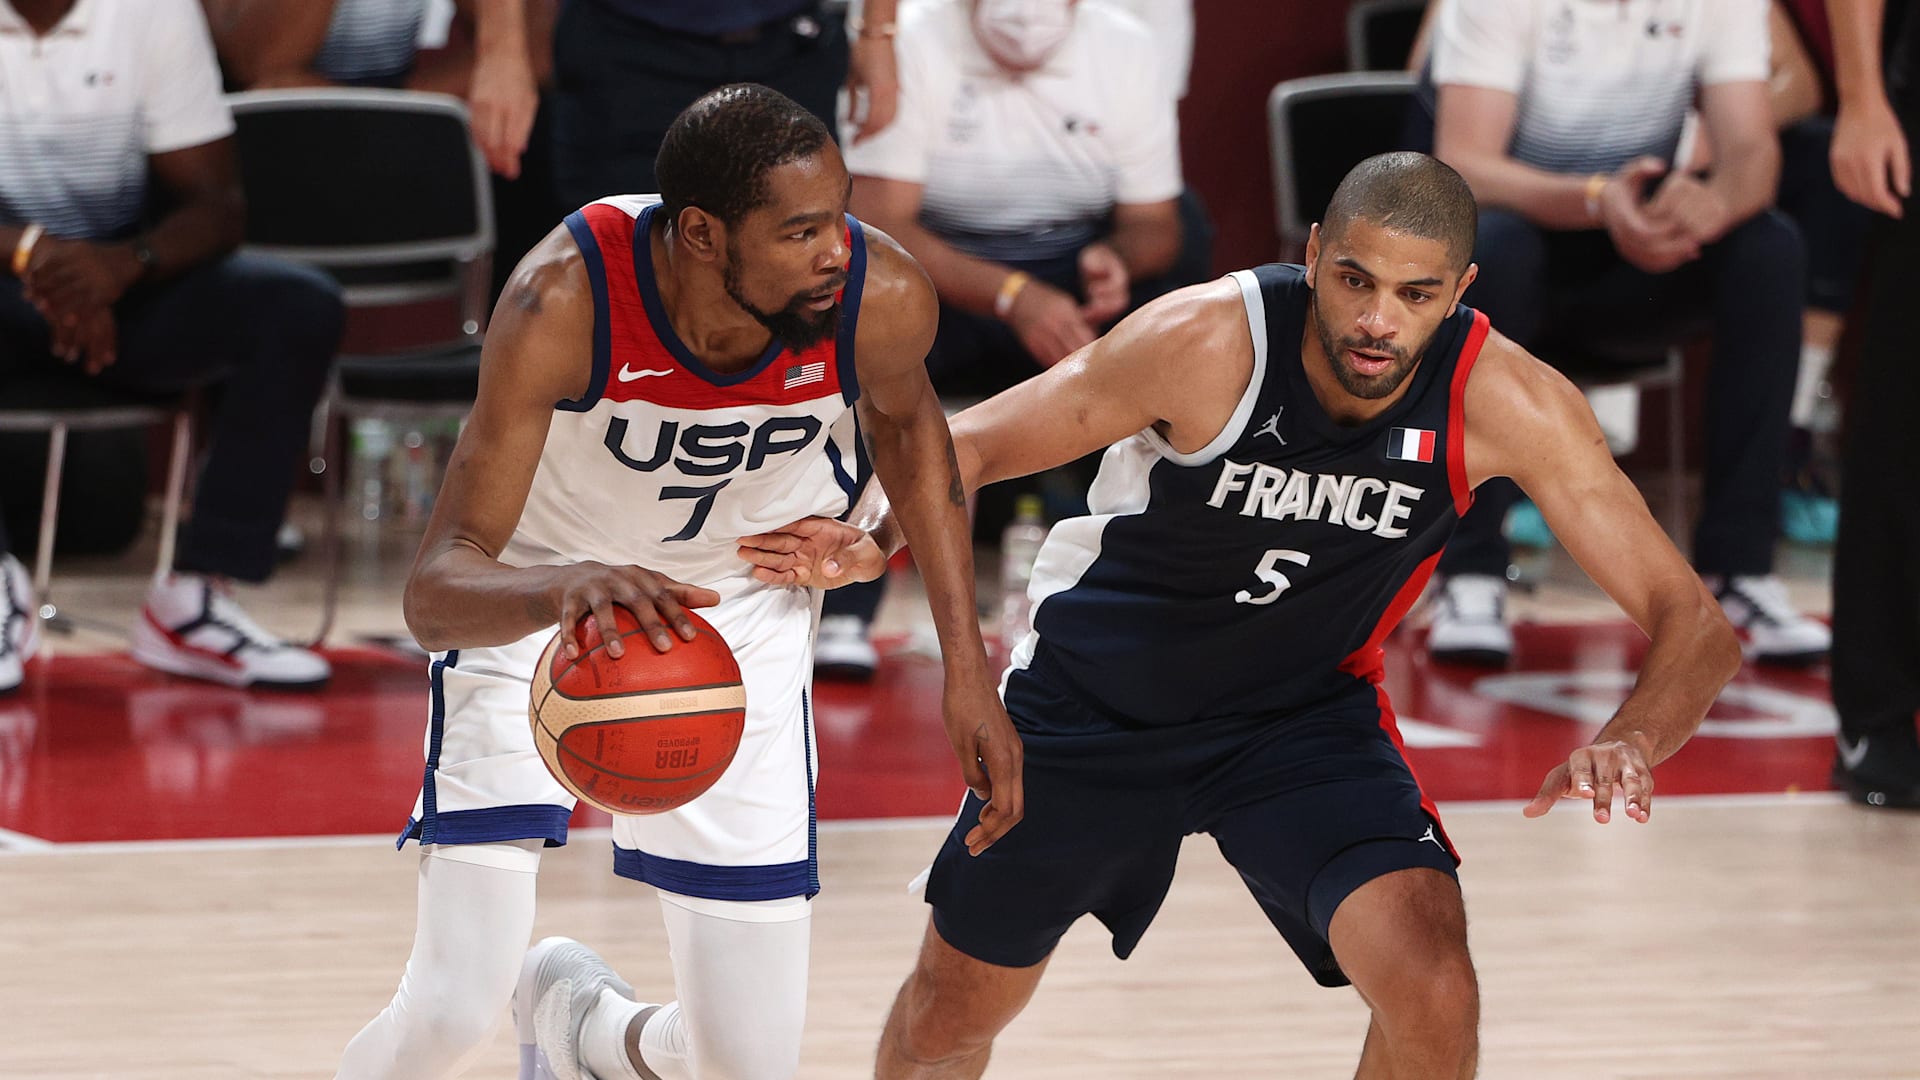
column 647, row 732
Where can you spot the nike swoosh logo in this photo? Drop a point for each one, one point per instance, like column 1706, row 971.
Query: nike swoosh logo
column 627, row 374
column 1852, row 756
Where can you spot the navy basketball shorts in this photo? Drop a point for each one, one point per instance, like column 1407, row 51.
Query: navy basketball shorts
column 1307, row 807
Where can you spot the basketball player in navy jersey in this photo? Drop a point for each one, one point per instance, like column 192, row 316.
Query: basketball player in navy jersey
column 1288, row 450
column 663, row 376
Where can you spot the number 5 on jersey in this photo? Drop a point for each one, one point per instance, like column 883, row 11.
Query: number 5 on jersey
column 1269, row 574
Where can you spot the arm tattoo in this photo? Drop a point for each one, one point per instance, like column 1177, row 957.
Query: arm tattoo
column 956, row 491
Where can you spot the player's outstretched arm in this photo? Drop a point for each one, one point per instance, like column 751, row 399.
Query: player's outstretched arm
column 539, row 351
column 912, row 453
column 1179, row 365
column 1526, row 421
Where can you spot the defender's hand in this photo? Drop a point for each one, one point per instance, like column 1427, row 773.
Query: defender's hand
column 814, row 551
column 990, row 755
column 654, row 599
column 1592, row 772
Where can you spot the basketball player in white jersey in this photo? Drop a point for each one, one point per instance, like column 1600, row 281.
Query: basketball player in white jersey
column 663, row 376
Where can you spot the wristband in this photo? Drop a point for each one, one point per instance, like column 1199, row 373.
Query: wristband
column 858, row 28
column 23, row 251
column 1009, row 292
column 1596, row 184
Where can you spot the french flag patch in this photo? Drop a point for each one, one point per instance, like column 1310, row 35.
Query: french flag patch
column 1410, row 444
column 802, row 374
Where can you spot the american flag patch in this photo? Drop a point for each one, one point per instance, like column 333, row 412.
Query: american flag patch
column 1410, row 444
column 802, row 374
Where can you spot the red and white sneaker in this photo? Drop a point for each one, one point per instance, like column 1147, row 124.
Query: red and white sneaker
column 193, row 626
column 19, row 623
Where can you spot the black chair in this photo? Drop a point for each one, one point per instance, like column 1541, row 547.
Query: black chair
column 385, row 190
column 1322, row 126
column 57, row 405
column 1381, row 33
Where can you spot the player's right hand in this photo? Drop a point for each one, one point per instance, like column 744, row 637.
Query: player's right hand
column 816, row 551
column 991, row 757
column 656, row 601
column 1049, row 323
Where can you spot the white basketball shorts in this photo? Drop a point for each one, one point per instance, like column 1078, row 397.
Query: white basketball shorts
column 749, row 837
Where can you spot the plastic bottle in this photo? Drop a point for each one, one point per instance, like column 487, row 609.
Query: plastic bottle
column 366, row 478
column 1019, row 547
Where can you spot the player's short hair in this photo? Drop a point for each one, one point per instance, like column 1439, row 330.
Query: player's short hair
column 717, row 152
column 1410, row 193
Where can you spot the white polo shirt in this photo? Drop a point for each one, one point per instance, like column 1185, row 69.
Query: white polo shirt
column 1026, row 167
column 83, row 107
column 1599, row 82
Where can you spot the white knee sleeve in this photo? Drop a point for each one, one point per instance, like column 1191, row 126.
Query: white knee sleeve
column 741, row 970
column 475, row 916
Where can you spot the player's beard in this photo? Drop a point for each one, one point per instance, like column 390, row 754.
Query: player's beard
column 1367, row 387
column 795, row 325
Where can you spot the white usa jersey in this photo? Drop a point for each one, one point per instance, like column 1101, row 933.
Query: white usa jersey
column 665, row 463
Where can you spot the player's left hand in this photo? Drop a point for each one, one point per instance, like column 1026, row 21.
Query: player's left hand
column 814, row 551
column 1592, row 772
column 991, row 757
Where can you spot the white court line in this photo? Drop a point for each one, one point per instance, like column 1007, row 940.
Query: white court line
column 11, row 841
column 19, row 845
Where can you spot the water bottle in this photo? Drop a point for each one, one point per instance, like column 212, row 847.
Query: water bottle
column 1019, row 547
column 366, row 479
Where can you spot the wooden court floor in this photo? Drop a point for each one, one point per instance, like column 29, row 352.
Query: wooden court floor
column 1733, row 937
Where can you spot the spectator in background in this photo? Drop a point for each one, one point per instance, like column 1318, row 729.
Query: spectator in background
column 1876, row 575
column 1566, row 120
column 1035, row 174
column 141, row 290
column 1800, row 89
column 623, row 69
column 272, row 43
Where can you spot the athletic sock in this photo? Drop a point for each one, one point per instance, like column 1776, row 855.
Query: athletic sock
column 603, row 1036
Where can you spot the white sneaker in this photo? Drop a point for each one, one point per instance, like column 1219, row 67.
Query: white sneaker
column 843, row 650
column 559, row 981
column 1771, row 630
column 1470, row 622
column 19, row 623
column 193, row 626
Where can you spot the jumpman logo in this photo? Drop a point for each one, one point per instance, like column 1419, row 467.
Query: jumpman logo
column 1272, row 427
column 1430, row 836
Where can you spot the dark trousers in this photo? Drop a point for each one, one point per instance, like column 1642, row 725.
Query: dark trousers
column 266, row 330
column 1835, row 227
column 1571, row 290
column 619, row 82
column 1876, row 561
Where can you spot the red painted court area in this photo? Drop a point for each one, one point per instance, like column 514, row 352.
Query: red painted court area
column 97, row 748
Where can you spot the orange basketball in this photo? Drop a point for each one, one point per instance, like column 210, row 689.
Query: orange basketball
column 647, row 732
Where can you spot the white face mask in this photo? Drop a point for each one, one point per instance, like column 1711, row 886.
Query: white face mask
column 1022, row 34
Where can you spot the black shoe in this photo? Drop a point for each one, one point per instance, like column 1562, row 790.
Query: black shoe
column 1880, row 768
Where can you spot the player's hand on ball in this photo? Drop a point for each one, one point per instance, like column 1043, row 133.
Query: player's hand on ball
column 991, row 757
column 1593, row 772
column 814, row 551
column 656, row 600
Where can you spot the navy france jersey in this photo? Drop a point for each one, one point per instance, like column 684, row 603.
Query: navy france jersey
column 1259, row 575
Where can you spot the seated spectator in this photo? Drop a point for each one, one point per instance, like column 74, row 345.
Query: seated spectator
column 1566, row 119
column 273, row 43
column 104, row 280
column 1033, row 168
